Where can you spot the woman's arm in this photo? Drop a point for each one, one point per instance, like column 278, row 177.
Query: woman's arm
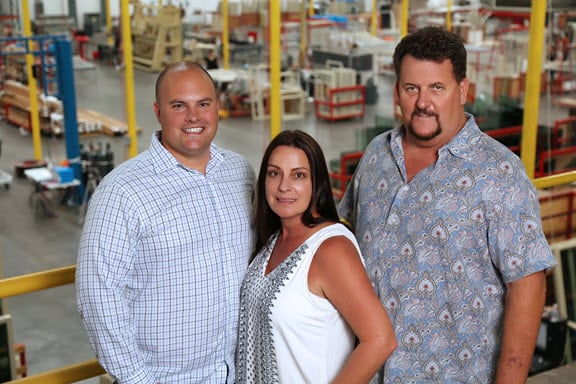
column 337, row 273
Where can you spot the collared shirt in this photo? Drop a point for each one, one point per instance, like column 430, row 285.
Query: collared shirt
column 441, row 248
column 162, row 255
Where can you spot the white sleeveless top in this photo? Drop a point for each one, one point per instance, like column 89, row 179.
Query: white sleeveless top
column 286, row 333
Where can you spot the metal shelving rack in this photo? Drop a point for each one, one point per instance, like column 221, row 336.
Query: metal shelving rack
column 337, row 96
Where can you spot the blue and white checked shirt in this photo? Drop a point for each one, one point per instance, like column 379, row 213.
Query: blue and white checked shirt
column 163, row 252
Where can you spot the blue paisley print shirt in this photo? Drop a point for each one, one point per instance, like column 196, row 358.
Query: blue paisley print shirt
column 441, row 248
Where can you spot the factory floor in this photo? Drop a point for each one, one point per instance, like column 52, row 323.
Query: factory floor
column 46, row 322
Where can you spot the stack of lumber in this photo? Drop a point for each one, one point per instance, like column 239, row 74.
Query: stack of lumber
column 15, row 103
column 16, row 94
column 15, row 99
column 92, row 121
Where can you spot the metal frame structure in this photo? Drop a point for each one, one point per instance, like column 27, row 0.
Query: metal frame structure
column 66, row 92
column 45, row 49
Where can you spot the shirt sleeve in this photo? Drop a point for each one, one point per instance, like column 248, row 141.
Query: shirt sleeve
column 105, row 258
column 517, row 244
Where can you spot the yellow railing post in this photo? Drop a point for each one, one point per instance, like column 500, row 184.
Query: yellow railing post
column 404, row 18
column 129, row 78
column 532, row 93
column 275, row 84
column 32, row 90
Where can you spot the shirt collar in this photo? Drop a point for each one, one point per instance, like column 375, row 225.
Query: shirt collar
column 460, row 146
column 463, row 143
column 163, row 160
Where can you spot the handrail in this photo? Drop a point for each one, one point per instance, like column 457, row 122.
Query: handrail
column 65, row 375
column 554, row 180
column 19, row 285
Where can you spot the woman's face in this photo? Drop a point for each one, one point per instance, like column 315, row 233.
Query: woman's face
column 288, row 182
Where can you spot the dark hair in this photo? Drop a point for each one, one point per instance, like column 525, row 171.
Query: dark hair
column 322, row 201
column 180, row 66
column 433, row 44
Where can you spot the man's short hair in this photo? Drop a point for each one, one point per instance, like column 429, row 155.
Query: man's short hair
column 433, row 44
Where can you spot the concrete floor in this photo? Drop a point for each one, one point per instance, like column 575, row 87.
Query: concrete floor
column 47, row 322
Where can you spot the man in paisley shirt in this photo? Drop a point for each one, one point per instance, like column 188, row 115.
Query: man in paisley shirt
column 450, row 227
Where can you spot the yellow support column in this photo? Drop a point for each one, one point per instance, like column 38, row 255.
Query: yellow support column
column 109, row 39
column 129, row 77
column 404, row 18
column 303, row 32
column 32, row 90
column 225, row 35
column 374, row 20
column 275, row 100
column 532, row 88
column 449, row 15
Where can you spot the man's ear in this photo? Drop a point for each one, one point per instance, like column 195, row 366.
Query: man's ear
column 464, row 85
column 157, row 111
column 396, row 95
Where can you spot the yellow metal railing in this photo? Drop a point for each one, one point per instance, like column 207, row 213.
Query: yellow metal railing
column 34, row 282
column 555, row 180
column 65, row 375
column 14, row 286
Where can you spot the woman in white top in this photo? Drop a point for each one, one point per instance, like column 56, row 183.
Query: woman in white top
column 306, row 297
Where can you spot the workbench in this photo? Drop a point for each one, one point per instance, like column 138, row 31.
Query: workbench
column 44, row 182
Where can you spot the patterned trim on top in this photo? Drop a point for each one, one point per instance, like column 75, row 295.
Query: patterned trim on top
column 257, row 296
